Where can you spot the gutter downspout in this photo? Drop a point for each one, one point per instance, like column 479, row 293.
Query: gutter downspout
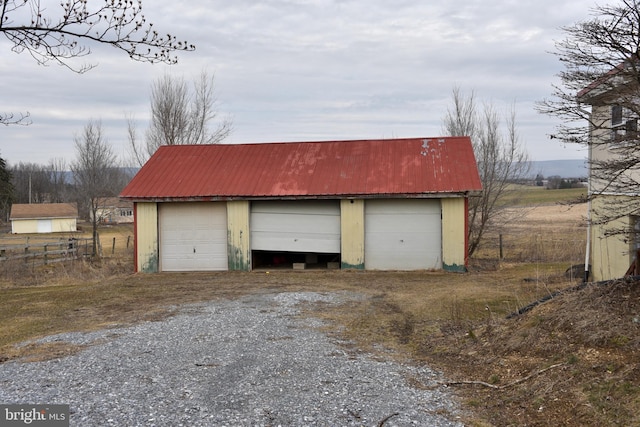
column 587, row 255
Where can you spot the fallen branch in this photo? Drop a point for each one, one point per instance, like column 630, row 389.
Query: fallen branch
column 384, row 420
column 511, row 384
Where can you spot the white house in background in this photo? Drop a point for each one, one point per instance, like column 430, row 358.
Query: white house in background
column 113, row 210
column 44, row 218
column 613, row 243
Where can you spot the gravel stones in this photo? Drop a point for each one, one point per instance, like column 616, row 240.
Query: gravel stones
column 245, row 362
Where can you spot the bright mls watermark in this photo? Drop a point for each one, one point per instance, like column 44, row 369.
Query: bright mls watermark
column 34, row 415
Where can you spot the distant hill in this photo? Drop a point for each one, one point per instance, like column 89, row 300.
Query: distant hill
column 562, row 168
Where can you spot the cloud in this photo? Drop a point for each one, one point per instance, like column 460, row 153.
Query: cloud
column 297, row 70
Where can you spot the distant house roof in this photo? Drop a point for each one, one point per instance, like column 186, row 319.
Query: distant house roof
column 415, row 167
column 113, row 202
column 615, row 78
column 43, row 210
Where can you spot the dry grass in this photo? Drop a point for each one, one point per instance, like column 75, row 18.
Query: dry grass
column 537, row 234
column 455, row 322
column 525, row 195
column 87, row 297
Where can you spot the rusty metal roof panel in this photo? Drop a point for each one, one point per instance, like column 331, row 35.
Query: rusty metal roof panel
column 417, row 166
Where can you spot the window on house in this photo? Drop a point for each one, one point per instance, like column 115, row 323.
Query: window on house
column 624, row 125
column 616, row 115
column 626, row 132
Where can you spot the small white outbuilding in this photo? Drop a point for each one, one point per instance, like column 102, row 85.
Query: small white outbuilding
column 44, row 218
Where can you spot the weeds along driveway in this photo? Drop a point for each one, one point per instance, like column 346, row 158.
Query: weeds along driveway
column 247, row 361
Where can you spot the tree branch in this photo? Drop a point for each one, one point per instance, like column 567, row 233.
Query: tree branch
column 118, row 23
column 511, row 384
column 12, row 119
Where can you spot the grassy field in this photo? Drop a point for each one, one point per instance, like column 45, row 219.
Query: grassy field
column 570, row 361
column 523, row 195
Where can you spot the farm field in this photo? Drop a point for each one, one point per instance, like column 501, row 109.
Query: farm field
column 569, row 361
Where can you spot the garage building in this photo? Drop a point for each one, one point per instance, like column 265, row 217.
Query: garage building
column 393, row 204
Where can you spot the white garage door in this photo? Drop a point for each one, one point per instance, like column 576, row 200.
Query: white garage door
column 193, row 236
column 45, row 226
column 296, row 226
column 403, row 235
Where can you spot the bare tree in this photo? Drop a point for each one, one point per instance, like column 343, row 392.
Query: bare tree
column 95, row 173
column 59, row 32
column 57, row 169
column 170, row 113
column 500, row 156
column 204, row 112
column 600, row 86
column 137, row 151
column 180, row 115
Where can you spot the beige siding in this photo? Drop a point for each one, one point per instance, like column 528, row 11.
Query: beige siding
column 63, row 225
column 601, row 116
column 352, row 233
column 24, row 226
column 454, row 249
column 600, row 134
column 239, row 249
column 611, row 256
column 147, row 237
column 57, row 225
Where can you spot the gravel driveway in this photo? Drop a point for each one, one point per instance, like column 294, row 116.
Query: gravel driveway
column 244, row 362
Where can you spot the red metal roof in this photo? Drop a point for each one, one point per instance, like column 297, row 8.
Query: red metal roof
column 412, row 167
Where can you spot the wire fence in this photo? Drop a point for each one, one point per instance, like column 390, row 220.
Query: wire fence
column 536, row 247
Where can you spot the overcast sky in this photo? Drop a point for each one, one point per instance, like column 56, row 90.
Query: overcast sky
column 294, row 70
